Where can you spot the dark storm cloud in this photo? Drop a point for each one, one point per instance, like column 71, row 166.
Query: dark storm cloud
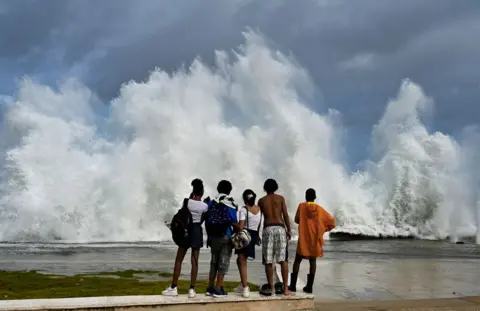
column 26, row 26
column 356, row 51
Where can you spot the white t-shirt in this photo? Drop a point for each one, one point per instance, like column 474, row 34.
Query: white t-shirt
column 197, row 208
column 253, row 220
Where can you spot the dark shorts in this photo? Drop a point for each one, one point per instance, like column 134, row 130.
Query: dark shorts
column 196, row 236
column 221, row 251
column 249, row 250
column 298, row 256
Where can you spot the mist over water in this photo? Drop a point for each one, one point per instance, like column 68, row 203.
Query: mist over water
column 70, row 173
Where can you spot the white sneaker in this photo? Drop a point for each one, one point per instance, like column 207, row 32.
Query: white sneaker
column 246, row 292
column 170, row 291
column 239, row 289
column 192, row 293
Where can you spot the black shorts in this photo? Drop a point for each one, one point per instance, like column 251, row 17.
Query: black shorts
column 196, row 236
column 303, row 257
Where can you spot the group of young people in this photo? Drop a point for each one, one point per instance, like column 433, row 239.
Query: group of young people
column 231, row 227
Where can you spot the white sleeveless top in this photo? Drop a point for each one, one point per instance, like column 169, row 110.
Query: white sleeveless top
column 253, row 220
column 197, row 208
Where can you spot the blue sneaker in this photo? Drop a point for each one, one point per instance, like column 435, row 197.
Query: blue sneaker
column 219, row 293
column 210, row 291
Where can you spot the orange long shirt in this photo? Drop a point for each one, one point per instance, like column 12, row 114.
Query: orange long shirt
column 313, row 221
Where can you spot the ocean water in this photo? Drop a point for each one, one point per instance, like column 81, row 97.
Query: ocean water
column 72, row 173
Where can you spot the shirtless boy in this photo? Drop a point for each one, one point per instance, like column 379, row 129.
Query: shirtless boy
column 276, row 233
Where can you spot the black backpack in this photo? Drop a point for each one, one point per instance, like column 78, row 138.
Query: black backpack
column 181, row 225
column 217, row 220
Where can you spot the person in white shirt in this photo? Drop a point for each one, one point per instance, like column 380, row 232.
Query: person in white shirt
column 197, row 208
column 250, row 218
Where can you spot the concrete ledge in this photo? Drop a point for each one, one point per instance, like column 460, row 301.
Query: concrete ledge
column 149, row 303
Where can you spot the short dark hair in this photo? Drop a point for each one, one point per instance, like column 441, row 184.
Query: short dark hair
column 310, row 195
column 270, row 185
column 224, row 186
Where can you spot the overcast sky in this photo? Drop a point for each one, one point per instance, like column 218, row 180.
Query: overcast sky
column 357, row 51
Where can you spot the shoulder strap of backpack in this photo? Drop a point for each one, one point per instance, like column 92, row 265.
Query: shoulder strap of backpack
column 204, row 216
column 260, row 222
column 185, row 206
column 185, row 203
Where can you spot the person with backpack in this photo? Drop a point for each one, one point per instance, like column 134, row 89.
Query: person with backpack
column 250, row 218
column 313, row 221
column 219, row 219
column 187, row 233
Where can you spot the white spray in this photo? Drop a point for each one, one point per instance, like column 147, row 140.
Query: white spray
column 73, row 175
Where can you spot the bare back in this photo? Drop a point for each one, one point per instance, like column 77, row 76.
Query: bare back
column 274, row 210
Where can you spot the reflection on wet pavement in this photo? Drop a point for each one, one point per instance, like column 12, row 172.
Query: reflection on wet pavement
column 395, row 279
column 358, row 270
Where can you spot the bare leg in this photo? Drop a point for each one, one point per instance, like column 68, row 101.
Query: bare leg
column 296, row 264
column 294, row 276
column 269, row 271
column 313, row 265
column 311, row 277
column 194, row 259
column 220, row 281
column 213, row 268
column 212, row 274
column 284, row 266
column 242, row 268
column 178, row 264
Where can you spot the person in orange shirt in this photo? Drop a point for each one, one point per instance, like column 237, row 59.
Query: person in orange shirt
column 313, row 221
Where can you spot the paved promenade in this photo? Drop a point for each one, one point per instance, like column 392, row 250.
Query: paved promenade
column 413, row 278
column 445, row 304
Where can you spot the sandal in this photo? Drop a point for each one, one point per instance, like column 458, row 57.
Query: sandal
column 279, row 288
column 265, row 290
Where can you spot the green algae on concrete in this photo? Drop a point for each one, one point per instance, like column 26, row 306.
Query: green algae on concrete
column 33, row 285
column 127, row 273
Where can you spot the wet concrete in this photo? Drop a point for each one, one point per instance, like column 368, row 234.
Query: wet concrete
column 395, row 279
column 445, row 304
